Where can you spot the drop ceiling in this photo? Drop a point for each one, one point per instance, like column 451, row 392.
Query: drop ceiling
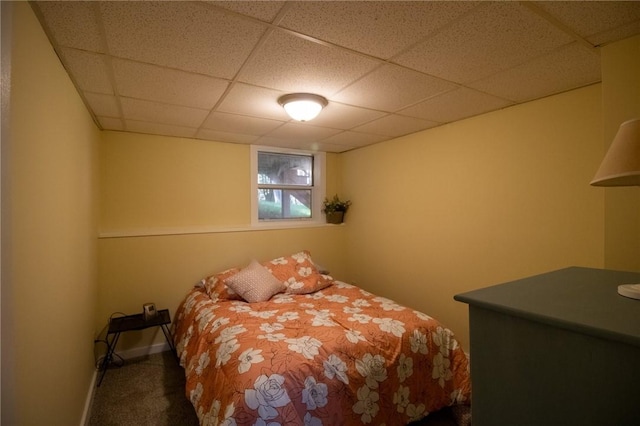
column 214, row 70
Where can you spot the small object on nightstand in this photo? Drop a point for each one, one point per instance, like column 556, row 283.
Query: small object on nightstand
column 631, row 291
column 149, row 311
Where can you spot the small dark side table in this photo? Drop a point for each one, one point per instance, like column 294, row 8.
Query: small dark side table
column 561, row 348
column 119, row 325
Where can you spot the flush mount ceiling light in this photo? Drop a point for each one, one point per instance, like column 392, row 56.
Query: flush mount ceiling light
column 302, row 106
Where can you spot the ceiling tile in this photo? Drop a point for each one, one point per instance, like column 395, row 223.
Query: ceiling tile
column 153, row 112
column 619, row 33
column 73, row 24
column 302, row 132
column 341, row 116
column 110, row 123
column 88, row 69
column 289, row 63
column 328, row 147
column 354, row 139
column 569, row 67
column 181, row 35
column 396, row 125
column 144, row 81
column 387, row 68
column 102, row 105
column 160, row 129
column 455, row 105
column 253, row 101
column 263, row 10
column 380, row 29
column 494, row 37
column 597, row 21
column 390, row 88
column 230, row 123
column 218, row 136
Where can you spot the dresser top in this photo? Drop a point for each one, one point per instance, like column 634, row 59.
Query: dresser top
column 584, row 300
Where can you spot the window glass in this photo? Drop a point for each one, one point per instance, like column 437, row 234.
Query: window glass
column 286, row 184
column 279, row 177
column 284, row 204
column 285, row 169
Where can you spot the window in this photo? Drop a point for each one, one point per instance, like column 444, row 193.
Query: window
column 287, row 185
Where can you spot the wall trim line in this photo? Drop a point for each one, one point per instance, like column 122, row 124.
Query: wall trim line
column 162, row 232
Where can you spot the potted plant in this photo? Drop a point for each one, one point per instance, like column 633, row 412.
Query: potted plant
column 335, row 209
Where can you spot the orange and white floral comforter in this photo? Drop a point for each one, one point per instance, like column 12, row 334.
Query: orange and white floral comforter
column 339, row 356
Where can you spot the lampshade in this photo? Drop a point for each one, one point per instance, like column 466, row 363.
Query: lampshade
column 302, row 106
column 621, row 165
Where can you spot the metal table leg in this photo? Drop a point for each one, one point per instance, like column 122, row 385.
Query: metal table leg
column 111, row 347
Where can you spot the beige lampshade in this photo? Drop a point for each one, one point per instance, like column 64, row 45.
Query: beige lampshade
column 621, row 165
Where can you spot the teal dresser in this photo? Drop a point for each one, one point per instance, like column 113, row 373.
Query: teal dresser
column 561, row 348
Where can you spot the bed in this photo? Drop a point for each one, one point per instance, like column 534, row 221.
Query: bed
column 279, row 343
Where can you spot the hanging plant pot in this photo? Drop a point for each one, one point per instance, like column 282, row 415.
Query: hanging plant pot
column 335, row 217
column 335, row 209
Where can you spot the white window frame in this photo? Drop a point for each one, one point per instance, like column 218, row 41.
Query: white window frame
column 318, row 191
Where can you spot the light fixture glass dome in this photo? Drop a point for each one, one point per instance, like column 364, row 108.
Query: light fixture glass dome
column 302, row 106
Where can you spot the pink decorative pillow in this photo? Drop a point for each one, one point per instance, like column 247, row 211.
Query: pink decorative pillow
column 216, row 288
column 298, row 273
column 254, row 283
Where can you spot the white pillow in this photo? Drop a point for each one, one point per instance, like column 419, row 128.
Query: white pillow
column 255, row 283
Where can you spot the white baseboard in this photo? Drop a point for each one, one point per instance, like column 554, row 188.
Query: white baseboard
column 145, row 350
column 141, row 351
column 88, row 403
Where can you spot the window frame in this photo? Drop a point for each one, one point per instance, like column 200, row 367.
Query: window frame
column 318, row 189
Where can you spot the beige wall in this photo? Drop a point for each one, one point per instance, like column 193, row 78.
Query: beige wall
column 474, row 203
column 193, row 194
column 478, row 202
column 155, row 182
column 621, row 102
column 49, row 237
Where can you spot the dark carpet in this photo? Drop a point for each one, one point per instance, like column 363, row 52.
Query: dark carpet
column 149, row 391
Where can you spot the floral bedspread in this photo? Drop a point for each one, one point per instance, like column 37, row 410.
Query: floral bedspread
column 339, row 356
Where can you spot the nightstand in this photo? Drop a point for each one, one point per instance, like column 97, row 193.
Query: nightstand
column 119, row 325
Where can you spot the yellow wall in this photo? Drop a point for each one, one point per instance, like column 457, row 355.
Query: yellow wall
column 462, row 206
column 198, row 191
column 621, row 102
column 155, row 182
column 49, row 234
column 478, row 202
